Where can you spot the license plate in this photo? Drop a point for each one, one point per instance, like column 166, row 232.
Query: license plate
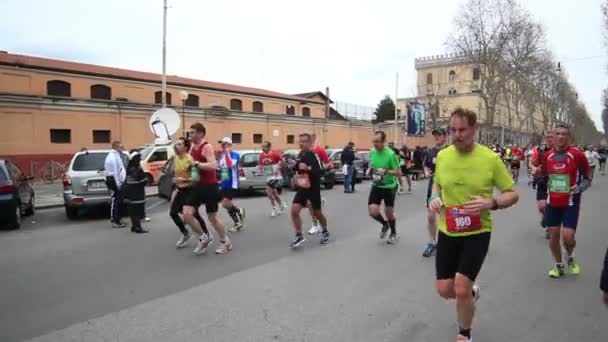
column 97, row 186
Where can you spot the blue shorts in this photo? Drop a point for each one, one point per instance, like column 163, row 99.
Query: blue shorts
column 566, row 217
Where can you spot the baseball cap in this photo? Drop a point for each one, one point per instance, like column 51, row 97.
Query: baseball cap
column 439, row 131
column 226, row 140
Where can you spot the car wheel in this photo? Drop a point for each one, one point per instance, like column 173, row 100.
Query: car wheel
column 71, row 213
column 149, row 179
column 16, row 224
column 32, row 208
column 329, row 185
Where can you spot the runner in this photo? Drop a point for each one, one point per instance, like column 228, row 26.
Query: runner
column 391, row 146
column 568, row 174
column 185, row 176
column 270, row 165
column 205, row 191
column 465, row 177
column 517, row 155
column 385, row 170
column 602, row 161
column 440, row 136
column 539, row 180
column 604, row 279
column 326, row 164
column 308, row 183
column 592, row 158
column 406, row 166
column 228, row 163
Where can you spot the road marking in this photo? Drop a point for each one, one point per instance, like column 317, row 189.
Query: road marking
column 154, row 205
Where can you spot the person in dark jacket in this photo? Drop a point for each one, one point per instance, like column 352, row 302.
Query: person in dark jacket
column 347, row 159
column 604, row 279
column 135, row 193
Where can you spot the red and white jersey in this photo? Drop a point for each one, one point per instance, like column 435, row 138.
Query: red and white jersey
column 563, row 171
column 517, row 154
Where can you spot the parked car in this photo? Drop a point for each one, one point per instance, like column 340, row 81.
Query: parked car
column 289, row 157
column 153, row 159
column 84, row 183
column 334, row 157
column 17, row 198
column 251, row 177
column 364, row 156
column 165, row 181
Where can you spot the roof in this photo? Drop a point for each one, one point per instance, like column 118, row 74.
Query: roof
column 313, row 94
column 40, row 63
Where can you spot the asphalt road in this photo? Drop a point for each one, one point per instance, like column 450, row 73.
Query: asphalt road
column 83, row 281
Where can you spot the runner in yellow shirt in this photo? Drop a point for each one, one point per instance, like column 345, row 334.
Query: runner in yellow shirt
column 465, row 177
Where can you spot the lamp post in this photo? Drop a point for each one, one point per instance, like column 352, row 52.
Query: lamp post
column 184, row 96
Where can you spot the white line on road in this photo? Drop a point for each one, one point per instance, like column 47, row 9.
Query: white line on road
column 154, row 205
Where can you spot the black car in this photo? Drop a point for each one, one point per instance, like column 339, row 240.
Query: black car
column 16, row 195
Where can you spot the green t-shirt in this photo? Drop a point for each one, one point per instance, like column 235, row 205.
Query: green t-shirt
column 387, row 160
column 463, row 175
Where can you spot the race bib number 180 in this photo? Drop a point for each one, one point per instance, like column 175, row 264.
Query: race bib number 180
column 459, row 222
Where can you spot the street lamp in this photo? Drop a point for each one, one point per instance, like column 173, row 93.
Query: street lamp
column 184, row 96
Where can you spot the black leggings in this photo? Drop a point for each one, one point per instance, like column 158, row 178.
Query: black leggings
column 177, row 206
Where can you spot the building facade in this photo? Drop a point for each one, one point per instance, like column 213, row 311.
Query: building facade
column 50, row 109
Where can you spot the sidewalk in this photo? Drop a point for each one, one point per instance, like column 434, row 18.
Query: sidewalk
column 51, row 195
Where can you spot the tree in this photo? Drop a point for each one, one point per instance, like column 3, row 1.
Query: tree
column 385, row 110
column 604, row 8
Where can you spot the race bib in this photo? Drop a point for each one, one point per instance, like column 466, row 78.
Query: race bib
column 377, row 179
column 559, row 183
column 515, row 158
column 268, row 170
column 225, row 174
column 459, row 222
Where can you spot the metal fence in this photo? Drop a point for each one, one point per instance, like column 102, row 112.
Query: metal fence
column 354, row 111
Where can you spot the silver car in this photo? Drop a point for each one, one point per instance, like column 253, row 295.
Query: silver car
column 84, row 183
column 334, row 157
column 251, row 177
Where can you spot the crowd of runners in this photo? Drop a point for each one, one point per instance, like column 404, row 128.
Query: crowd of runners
column 467, row 182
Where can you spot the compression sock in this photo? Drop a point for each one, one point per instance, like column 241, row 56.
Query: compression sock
column 393, row 225
column 380, row 219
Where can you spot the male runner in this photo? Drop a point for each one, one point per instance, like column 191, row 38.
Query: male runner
column 228, row 163
column 391, row 146
column 539, row 180
column 517, row 155
column 592, row 158
column 441, row 138
column 568, row 174
column 270, row 165
column 405, row 160
column 205, row 191
column 602, row 160
column 326, row 165
column 465, row 177
column 308, row 183
column 384, row 168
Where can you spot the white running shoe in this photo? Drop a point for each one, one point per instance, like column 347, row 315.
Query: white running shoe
column 274, row 212
column 201, row 246
column 183, row 241
column 476, row 293
column 283, row 207
column 224, row 247
column 315, row 229
column 147, row 219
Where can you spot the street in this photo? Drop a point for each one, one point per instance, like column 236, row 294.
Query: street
column 84, row 281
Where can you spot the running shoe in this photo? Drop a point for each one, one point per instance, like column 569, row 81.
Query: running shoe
column 476, row 293
column 429, row 250
column 225, row 247
column 201, row 246
column 383, row 231
column 147, row 219
column 393, row 239
column 324, row 238
column 274, row 212
column 573, row 267
column 315, row 229
column 297, row 242
column 118, row 225
column 284, row 207
column 237, row 227
column 556, row 272
column 242, row 215
column 183, row 241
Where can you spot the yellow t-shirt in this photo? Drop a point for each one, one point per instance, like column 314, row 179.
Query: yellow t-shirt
column 463, row 175
column 182, row 169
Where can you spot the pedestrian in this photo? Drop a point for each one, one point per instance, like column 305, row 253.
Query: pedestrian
column 228, row 163
column 116, row 175
column 440, row 136
column 463, row 194
column 417, row 159
column 347, row 158
column 135, row 192
column 308, row 184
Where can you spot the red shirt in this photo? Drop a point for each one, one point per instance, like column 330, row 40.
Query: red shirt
column 321, row 153
column 563, row 171
column 517, row 154
column 270, row 158
column 208, row 177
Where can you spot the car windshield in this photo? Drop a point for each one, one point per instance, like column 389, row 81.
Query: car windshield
column 363, row 155
column 145, row 152
column 90, row 161
column 250, row 160
column 3, row 175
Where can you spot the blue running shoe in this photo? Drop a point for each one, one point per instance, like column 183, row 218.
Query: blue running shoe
column 429, row 250
column 299, row 240
column 324, row 238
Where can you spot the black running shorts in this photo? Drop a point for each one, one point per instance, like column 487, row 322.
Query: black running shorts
column 377, row 195
column 204, row 194
column 303, row 196
column 463, row 254
column 228, row 193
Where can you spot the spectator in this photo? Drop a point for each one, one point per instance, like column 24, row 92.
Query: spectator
column 135, row 192
column 115, row 179
column 347, row 159
column 604, row 280
column 418, row 157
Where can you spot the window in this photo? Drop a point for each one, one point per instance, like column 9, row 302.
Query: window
column 236, row 104
column 90, row 161
column 100, row 91
column 159, row 155
column 291, row 139
column 158, row 97
column 192, row 101
column 305, row 111
column 101, row 136
column 237, row 138
column 290, row 110
column 429, row 78
column 250, row 160
column 257, row 138
column 452, row 76
column 476, row 74
column 258, row 107
column 61, row 136
column 58, row 88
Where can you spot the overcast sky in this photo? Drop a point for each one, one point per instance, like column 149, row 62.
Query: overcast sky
column 355, row 47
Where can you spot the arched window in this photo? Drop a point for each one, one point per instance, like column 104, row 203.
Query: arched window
column 158, row 99
column 452, row 76
column 258, row 107
column 191, row 101
column 429, row 78
column 305, row 111
column 236, row 104
column 58, row 88
column 100, row 91
column 290, row 110
column 476, row 74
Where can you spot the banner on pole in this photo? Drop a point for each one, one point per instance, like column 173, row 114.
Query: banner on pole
column 416, row 119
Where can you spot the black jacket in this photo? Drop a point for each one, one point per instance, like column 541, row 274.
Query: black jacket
column 348, row 156
column 604, row 279
column 135, row 186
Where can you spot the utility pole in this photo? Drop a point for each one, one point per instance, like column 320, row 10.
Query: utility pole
column 327, row 103
column 164, row 79
column 396, row 128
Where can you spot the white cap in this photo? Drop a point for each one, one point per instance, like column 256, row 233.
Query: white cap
column 226, row 140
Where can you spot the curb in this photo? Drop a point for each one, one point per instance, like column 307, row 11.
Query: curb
column 61, row 205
